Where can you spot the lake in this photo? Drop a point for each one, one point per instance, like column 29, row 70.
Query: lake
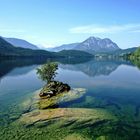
column 108, row 110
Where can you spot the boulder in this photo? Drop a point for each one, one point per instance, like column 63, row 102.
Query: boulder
column 53, row 88
column 55, row 101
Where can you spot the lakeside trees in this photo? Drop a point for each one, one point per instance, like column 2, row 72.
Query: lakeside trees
column 135, row 58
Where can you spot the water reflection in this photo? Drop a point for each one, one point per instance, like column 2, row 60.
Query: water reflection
column 89, row 67
column 7, row 65
column 97, row 67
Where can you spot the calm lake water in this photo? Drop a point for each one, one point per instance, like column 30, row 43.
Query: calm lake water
column 111, row 85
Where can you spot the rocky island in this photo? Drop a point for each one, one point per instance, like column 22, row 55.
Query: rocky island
column 54, row 88
column 55, row 92
column 47, row 72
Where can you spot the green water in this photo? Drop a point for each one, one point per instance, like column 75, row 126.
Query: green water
column 111, row 104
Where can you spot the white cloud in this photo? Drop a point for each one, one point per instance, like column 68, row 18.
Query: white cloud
column 99, row 29
column 136, row 31
column 2, row 30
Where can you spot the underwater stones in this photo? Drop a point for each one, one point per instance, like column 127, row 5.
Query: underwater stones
column 54, row 101
column 75, row 137
column 81, row 117
column 53, row 88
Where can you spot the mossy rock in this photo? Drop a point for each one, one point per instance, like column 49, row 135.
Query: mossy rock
column 61, row 98
column 63, row 116
column 53, row 88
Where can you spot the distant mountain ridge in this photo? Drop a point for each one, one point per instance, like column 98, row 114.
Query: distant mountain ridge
column 92, row 44
column 4, row 45
column 97, row 45
column 64, row 47
column 103, row 47
column 8, row 50
column 21, row 43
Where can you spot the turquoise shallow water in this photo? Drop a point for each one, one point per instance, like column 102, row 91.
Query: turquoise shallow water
column 112, row 85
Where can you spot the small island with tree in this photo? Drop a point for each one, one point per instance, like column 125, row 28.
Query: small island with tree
column 47, row 73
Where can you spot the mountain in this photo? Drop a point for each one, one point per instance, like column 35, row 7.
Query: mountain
column 63, row 47
column 21, row 43
column 5, row 47
column 73, row 54
column 122, row 52
column 136, row 54
column 135, row 57
column 93, row 44
column 8, row 50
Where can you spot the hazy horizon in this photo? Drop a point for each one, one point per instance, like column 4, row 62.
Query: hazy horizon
column 52, row 23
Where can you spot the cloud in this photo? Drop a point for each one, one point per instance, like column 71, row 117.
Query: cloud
column 136, row 31
column 99, row 29
column 2, row 30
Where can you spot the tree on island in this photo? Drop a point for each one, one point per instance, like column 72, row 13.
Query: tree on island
column 47, row 72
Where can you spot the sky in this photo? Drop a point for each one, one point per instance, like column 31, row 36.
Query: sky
column 54, row 22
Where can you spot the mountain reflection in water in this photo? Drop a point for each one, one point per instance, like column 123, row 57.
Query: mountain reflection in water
column 89, row 67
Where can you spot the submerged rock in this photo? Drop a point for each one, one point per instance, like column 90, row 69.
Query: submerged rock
column 64, row 122
column 54, row 101
column 54, row 88
column 63, row 117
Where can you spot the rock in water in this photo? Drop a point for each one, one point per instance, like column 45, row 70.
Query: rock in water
column 53, row 88
column 54, row 101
